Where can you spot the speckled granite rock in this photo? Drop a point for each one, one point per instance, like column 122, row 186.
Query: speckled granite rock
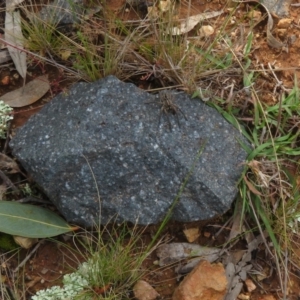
column 109, row 132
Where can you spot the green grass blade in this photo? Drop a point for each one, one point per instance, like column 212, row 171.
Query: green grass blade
column 267, row 223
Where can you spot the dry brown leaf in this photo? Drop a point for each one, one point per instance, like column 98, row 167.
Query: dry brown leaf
column 189, row 23
column 251, row 187
column 28, row 94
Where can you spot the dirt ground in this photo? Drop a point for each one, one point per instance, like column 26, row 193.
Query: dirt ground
column 50, row 262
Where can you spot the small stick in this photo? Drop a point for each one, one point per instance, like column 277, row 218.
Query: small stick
column 28, row 256
column 7, row 181
column 7, row 137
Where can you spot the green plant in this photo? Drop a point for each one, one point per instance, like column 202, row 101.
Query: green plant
column 270, row 194
column 113, row 265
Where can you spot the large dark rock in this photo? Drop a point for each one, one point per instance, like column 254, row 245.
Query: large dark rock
column 112, row 137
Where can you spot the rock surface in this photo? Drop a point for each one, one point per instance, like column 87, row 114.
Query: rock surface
column 144, row 291
column 112, row 139
column 206, row 282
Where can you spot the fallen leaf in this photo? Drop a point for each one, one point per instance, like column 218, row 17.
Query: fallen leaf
column 28, row 94
column 31, row 221
column 251, row 187
column 14, row 39
column 189, row 23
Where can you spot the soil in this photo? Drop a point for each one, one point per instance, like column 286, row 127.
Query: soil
column 51, row 261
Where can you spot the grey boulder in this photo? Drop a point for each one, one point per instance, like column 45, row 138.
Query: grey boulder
column 109, row 151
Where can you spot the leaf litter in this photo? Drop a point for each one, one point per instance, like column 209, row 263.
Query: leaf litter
column 14, row 38
column 28, row 94
column 189, row 23
column 238, row 264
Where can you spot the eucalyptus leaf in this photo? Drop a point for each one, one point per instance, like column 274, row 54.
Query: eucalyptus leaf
column 15, row 40
column 30, row 221
column 28, row 94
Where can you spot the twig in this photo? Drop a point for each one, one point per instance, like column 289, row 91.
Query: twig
column 33, row 199
column 7, row 137
column 28, row 256
column 8, row 181
column 279, row 82
column 259, row 226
